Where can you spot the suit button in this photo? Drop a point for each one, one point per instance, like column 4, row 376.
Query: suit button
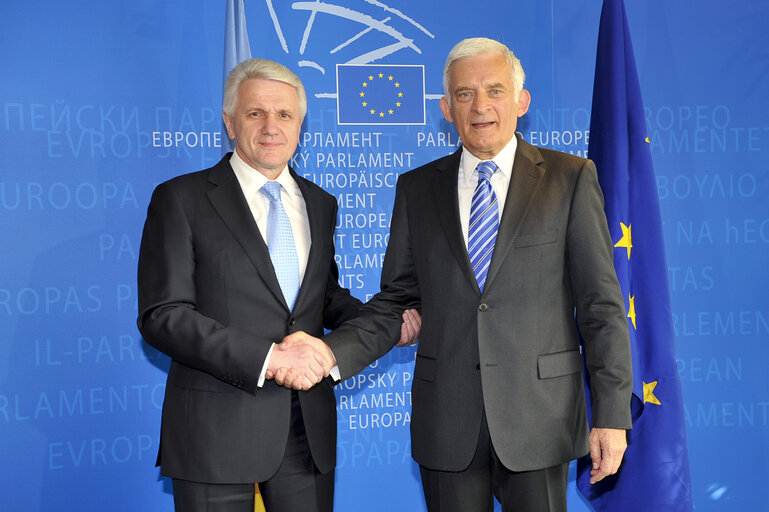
column 478, row 367
column 483, row 307
column 291, row 322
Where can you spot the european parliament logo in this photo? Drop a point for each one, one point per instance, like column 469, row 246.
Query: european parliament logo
column 380, row 94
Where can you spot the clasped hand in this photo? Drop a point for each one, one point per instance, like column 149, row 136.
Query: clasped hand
column 300, row 361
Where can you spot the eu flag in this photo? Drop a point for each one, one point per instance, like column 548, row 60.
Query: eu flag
column 380, row 94
column 655, row 471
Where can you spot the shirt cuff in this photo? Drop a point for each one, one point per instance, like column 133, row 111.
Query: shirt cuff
column 260, row 383
column 334, row 374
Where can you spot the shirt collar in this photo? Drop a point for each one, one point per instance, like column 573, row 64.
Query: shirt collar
column 504, row 160
column 251, row 180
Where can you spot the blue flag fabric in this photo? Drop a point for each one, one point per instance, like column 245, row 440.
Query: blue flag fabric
column 654, row 475
column 236, row 48
column 380, row 94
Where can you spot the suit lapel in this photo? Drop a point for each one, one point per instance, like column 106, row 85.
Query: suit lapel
column 228, row 200
column 525, row 177
column 446, row 198
column 314, row 217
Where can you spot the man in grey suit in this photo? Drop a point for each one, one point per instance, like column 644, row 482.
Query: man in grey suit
column 234, row 258
column 501, row 243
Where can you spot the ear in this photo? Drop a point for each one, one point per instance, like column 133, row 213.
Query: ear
column 228, row 123
column 446, row 109
column 524, row 100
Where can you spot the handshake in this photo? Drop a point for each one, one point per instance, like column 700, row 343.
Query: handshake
column 300, row 361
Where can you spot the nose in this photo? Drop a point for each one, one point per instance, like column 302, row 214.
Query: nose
column 270, row 125
column 480, row 104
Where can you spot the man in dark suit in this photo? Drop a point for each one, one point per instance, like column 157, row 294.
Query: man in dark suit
column 234, row 258
column 501, row 243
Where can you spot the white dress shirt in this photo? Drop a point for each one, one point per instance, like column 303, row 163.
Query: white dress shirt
column 468, row 180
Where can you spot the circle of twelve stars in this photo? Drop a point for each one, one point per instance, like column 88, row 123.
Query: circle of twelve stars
column 372, row 78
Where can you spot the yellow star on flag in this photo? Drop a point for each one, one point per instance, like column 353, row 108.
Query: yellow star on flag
column 626, row 240
column 649, row 393
column 381, row 75
column 381, row 114
column 372, row 111
column 365, row 103
column 631, row 309
column 371, row 77
column 647, row 140
column 362, row 94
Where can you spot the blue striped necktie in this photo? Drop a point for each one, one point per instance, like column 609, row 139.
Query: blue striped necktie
column 484, row 223
column 280, row 241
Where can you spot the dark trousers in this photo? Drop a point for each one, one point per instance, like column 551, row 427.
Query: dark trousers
column 297, row 486
column 473, row 489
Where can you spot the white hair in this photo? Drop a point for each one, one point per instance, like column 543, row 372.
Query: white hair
column 481, row 45
column 265, row 69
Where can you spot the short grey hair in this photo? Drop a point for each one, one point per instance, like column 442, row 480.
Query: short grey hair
column 481, row 45
column 264, row 69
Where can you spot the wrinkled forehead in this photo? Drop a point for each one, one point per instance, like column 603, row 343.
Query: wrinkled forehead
column 268, row 92
column 489, row 67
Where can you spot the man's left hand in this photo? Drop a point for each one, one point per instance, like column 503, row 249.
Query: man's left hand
column 607, row 446
column 412, row 323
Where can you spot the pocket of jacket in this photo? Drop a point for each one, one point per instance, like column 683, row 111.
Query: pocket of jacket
column 424, row 368
column 548, row 237
column 559, row 363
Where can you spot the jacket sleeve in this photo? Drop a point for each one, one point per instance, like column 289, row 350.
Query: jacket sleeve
column 599, row 304
column 376, row 328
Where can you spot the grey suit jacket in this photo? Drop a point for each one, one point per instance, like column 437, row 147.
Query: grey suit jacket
column 209, row 298
column 512, row 351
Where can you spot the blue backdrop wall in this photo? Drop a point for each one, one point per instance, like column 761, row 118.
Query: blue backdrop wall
column 101, row 101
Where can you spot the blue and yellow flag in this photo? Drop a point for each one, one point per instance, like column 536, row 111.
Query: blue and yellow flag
column 236, row 48
column 380, row 94
column 654, row 475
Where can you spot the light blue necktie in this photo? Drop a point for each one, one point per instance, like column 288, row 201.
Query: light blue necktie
column 280, row 241
column 484, row 223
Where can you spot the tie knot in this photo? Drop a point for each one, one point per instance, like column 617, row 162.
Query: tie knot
column 486, row 169
column 272, row 190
